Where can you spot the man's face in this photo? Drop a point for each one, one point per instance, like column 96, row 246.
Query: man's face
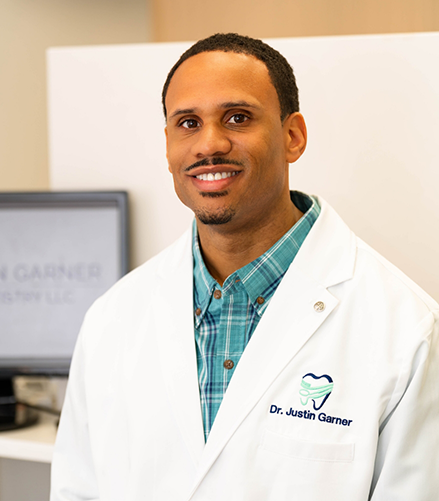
column 227, row 148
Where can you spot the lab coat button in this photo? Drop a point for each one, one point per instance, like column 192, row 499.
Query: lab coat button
column 228, row 364
column 217, row 294
column 319, row 306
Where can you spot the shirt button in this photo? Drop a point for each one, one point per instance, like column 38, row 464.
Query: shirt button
column 260, row 300
column 198, row 312
column 228, row 364
column 217, row 294
column 319, row 306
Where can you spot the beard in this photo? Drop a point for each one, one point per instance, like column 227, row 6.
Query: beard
column 222, row 216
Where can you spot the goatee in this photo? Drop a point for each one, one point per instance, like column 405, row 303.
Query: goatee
column 222, row 216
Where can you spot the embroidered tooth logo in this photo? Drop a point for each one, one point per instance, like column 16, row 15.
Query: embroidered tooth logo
column 317, row 388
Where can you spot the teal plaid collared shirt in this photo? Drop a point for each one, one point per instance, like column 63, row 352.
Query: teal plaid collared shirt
column 226, row 317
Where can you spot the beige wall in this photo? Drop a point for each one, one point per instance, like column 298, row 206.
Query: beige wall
column 27, row 28
column 177, row 20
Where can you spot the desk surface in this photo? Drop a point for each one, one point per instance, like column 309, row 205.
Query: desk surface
column 34, row 443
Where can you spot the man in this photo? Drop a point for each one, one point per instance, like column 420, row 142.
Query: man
column 269, row 354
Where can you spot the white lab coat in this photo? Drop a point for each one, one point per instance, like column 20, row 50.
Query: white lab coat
column 132, row 430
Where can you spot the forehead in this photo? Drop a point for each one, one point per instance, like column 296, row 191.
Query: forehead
column 217, row 77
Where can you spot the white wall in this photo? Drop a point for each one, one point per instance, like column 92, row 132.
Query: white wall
column 372, row 108
column 106, row 132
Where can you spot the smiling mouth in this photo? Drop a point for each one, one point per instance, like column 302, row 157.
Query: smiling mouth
column 215, row 176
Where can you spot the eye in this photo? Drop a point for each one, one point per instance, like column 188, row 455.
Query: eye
column 238, row 118
column 190, row 123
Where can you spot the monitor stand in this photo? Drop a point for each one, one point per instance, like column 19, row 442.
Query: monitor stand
column 13, row 415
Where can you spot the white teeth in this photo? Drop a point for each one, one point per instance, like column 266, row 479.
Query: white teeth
column 215, row 177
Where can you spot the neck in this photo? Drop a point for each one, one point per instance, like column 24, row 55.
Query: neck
column 227, row 248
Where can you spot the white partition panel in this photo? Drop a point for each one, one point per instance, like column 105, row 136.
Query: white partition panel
column 372, row 109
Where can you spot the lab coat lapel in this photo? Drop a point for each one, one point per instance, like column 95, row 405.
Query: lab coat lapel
column 174, row 329
column 286, row 326
column 293, row 316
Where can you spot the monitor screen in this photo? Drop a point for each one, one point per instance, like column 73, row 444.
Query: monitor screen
column 58, row 253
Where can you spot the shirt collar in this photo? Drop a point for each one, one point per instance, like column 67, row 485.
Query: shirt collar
column 204, row 283
column 262, row 276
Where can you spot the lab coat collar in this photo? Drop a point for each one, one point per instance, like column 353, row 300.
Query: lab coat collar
column 328, row 254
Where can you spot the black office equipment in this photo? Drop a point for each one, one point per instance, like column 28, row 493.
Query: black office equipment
column 59, row 251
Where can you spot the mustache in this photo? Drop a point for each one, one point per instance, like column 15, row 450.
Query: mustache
column 213, row 161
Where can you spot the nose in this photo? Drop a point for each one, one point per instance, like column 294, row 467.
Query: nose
column 211, row 140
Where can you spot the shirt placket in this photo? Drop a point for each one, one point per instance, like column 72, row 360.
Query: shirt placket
column 233, row 325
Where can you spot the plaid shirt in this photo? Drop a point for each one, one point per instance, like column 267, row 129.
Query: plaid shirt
column 226, row 317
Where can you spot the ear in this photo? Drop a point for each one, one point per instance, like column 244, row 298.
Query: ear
column 167, row 156
column 295, row 136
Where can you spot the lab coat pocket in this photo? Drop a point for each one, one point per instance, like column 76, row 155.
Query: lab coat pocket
column 311, row 451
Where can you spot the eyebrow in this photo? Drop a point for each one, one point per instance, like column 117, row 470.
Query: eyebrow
column 238, row 104
column 227, row 105
column 187, row 111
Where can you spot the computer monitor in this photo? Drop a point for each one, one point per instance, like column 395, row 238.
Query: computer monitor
column 59, row 251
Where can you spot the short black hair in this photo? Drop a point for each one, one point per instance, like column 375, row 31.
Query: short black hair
column 280, row 71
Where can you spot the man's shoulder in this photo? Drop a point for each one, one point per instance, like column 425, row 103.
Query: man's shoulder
column 333, row 255
column 138, row 286
column 370, row 264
